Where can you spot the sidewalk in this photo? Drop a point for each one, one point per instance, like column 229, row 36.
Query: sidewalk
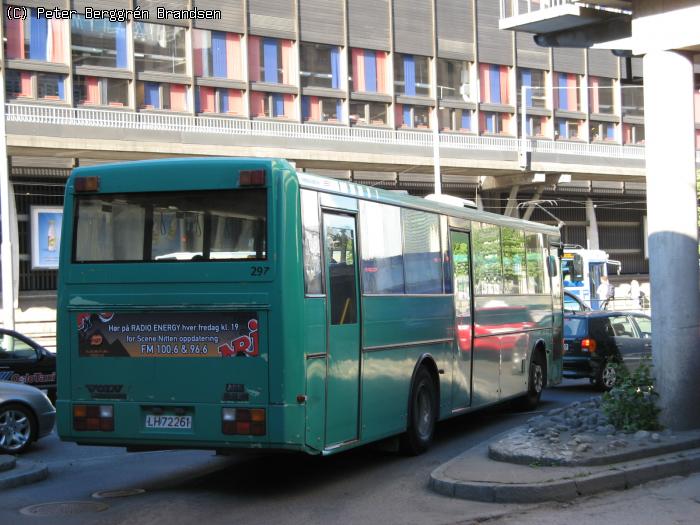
column 549, row 461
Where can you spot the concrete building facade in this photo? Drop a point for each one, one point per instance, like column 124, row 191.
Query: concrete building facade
column 354, row 89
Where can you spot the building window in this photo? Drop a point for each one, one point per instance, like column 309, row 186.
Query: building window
column 494, row 82
column 155, row 95
column 412, row 116
column 368, row 113
column 159, row 48
column 411, row 75
column 567, row 129
column 453, row 82
column 30, row 85
column 368, row 71
column 320, row 65
column 218, row 100
column 568, row 95
column 455, row 119
column 535, row 81
column 217, row 54
column 633, row 101
column 318, row 109
column 35, row 38
column 633, row 133
column 270, row 60
column 604, row 131
column 536, row 126
column 494, row 123
column 101, row 91
column 98, row 42
column 601, row 95
column 271, row 105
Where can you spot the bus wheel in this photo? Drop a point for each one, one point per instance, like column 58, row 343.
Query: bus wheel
column 422, row 414
column 535, row 383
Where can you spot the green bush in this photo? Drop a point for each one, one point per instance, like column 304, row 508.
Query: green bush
column 631, row 404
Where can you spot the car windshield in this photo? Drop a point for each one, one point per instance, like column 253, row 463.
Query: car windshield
column 575, row 327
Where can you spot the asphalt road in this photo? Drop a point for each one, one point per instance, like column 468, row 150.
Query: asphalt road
column 365, row 485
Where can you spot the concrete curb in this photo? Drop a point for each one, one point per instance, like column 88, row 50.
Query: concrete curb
column 23, row 473
column 7, row 463
column 613, row 477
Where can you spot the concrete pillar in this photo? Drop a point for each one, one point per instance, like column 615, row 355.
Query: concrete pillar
column 673, row 235
column 591, row 226
column 512, row 205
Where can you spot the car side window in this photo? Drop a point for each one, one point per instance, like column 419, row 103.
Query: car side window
column 14, row 348
column 621, row 326
column 644, row 325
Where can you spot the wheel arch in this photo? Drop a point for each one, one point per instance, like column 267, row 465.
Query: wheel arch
column 539, row 349
column 428, row 361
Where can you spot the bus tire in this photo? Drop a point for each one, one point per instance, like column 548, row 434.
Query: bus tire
column 535, row 382
column 422, row 414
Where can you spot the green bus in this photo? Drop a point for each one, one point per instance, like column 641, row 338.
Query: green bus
column 226, row 303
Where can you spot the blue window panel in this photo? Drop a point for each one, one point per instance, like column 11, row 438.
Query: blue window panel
column 278, row 106
column 218, row 51
column 121, row 46
column 339, row 110
column 305, row 108
column 562, row 129
column 409, row 74
column 466, row 120
column 610, row 131
column 495, row 84
column 370, row 72
column 270, row 58
column 491, row 123
column 223, row 100
column 151, row 95
column 528, row 126
column 407, row 121
column 61, row 89
column 563, row 95
column 38, row 29
column 196, row 100
column 335, row 67
column 527, row 82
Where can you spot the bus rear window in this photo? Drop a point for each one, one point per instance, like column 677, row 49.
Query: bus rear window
column 220, row 225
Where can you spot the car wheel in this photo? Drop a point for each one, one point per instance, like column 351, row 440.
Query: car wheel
column 17, row 428
column 422, row 414
column 607, row 376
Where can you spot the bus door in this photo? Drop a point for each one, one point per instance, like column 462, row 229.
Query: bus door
column 343, row 367
column 462, row 356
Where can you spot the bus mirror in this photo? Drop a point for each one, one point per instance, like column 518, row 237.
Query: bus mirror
column 552, row 266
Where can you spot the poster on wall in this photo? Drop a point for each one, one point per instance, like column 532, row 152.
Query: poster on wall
column 46, row 236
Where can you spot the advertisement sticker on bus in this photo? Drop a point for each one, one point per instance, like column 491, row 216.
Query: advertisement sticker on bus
column 168, row 334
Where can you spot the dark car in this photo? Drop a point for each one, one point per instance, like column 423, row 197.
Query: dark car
column 25, row 361
column 595, row 340
column 26, row 414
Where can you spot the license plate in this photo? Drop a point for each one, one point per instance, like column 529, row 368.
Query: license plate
column 566, row 347
column 174, row 422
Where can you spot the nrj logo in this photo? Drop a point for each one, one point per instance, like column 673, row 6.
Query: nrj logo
column 243, row 345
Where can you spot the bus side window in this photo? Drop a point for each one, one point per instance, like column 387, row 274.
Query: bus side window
column 311, row 235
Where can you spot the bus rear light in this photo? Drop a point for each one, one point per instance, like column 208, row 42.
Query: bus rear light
column 251, row 178
column 87, row 184
column 243, row 421
column 588, row 345
column 93, row 417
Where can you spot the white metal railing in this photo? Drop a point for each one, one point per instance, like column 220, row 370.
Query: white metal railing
column 105, row 118
column 518, row 7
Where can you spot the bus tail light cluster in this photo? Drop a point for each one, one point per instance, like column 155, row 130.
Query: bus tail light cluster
column 93, row 417
column 243, row 421
column 588, row 345
column 251, row 178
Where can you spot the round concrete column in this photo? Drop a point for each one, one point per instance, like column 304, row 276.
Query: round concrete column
column 673, row 237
